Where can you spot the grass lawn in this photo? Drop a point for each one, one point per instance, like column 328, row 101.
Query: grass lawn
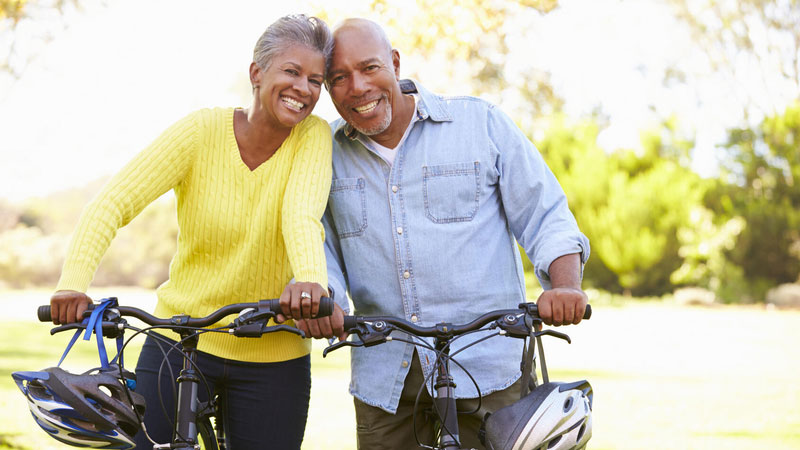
column 664, row 377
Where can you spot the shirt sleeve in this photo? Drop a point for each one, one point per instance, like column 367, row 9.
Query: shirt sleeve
column 154, row 171
column 304, row 202
column 534, row 202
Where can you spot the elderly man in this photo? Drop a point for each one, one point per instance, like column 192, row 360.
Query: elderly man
column 430, row 196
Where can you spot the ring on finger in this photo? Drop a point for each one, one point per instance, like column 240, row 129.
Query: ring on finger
column 305, row 295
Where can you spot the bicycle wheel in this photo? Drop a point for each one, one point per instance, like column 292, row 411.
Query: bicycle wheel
column 206, row 436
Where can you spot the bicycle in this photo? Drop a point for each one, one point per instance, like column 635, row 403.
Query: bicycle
column 193, row 418
column 498, row 432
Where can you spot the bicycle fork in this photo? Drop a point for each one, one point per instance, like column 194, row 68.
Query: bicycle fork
column 188, row 383
column 445, row 400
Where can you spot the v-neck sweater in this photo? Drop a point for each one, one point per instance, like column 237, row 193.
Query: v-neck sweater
column 243, row 234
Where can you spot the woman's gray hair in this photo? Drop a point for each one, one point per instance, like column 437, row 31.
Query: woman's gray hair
column 292, row 30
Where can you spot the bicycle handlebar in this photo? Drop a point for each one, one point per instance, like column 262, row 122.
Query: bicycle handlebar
column 402, row 324
column 374, row 330
column 271, row 305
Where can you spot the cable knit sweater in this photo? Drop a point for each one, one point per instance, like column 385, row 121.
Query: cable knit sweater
column 243, row 234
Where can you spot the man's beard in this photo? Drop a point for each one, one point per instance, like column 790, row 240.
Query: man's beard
column 380, row 127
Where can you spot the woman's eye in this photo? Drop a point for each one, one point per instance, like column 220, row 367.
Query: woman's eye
column 316, row 82
column 292, row 72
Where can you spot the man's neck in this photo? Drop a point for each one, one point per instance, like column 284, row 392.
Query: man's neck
column 400, row 120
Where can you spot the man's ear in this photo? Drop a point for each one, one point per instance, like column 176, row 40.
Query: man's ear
column 255, row 74
column 396, row 63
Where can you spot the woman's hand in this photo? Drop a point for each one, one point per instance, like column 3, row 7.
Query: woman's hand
column 300, row 300
column 68, row 306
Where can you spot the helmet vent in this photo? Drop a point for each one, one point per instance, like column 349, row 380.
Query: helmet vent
column 567, row 404
column 105, row 390
column 581, row 431
column 554, row 442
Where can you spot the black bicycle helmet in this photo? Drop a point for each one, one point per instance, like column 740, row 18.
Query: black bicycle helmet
column 87, row 410
column 554, row 416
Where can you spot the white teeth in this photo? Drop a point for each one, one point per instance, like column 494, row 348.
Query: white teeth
column 366, row 108
column 292, row 103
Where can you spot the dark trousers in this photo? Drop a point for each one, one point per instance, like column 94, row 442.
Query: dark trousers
column 378, row 430
column 264, row 405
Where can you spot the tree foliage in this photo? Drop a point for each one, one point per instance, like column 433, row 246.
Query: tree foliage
column 761, row 37
column 761, row 184
column 629, row 205
column 34, row 238
column 44, row 17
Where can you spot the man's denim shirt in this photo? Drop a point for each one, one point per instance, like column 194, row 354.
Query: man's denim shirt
column 431, row 238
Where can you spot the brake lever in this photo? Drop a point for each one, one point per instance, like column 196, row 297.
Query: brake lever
column 259, row 329
column 341, row 344
column 368, row 334
column 67, row 327
column 553, row 333
column 111, row 330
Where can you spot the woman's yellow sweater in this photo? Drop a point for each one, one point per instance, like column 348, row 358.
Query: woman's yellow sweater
column 243, row 235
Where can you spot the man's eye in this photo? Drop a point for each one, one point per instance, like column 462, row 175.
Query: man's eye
column 371, row 68
column 315, row 82
column 337, row 79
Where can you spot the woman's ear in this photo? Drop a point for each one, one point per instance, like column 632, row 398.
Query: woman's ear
column 255, row 75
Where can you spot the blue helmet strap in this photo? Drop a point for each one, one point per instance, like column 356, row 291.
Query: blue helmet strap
column 94, row 324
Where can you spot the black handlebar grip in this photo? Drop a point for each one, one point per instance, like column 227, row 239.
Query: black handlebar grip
column 325, row 306
column 588, row 313
column 350, row 322
column 44, row 315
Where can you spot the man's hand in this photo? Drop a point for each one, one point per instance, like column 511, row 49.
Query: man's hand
column 562, row 306
column 68, row 306
column 300, row 300
column 324, row 327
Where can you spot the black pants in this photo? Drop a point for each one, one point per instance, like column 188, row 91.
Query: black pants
column 265, row 405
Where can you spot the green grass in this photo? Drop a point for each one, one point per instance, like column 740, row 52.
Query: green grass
column 664, row 377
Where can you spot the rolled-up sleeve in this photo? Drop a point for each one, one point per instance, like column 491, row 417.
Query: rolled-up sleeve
column 534, row 202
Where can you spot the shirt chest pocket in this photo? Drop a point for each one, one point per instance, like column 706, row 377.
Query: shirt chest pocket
column 348, row 206
column 451, row 191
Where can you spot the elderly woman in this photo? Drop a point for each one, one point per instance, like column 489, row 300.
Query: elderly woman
column 251, row 186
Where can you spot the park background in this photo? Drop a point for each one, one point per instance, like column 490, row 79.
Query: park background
column 672, row 125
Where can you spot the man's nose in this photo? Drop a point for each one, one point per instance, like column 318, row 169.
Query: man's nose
column 358, row 84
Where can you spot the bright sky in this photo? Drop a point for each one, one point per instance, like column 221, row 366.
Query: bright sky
column 107, row 85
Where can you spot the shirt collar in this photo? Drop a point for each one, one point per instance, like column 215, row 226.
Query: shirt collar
column 429, row 106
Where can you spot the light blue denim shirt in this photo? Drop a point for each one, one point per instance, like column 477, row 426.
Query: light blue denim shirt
column 433, row 237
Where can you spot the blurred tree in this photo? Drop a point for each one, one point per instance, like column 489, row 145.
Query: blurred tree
column 754, row 39
column 762, row 185
column 12, row 10
column 34, row 237
column 629, row 205
column 704, row 248
column 31, row 21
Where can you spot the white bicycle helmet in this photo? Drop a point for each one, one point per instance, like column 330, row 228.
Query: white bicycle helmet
column 87, row 410
column 554, row 416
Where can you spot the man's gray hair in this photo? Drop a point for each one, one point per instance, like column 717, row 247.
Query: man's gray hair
column 292, row 30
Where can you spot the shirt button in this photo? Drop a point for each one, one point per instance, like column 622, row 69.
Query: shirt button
column 414, row 318
column 394, row 188
column 405, row 363
column 406, row 274
column 399, row 230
